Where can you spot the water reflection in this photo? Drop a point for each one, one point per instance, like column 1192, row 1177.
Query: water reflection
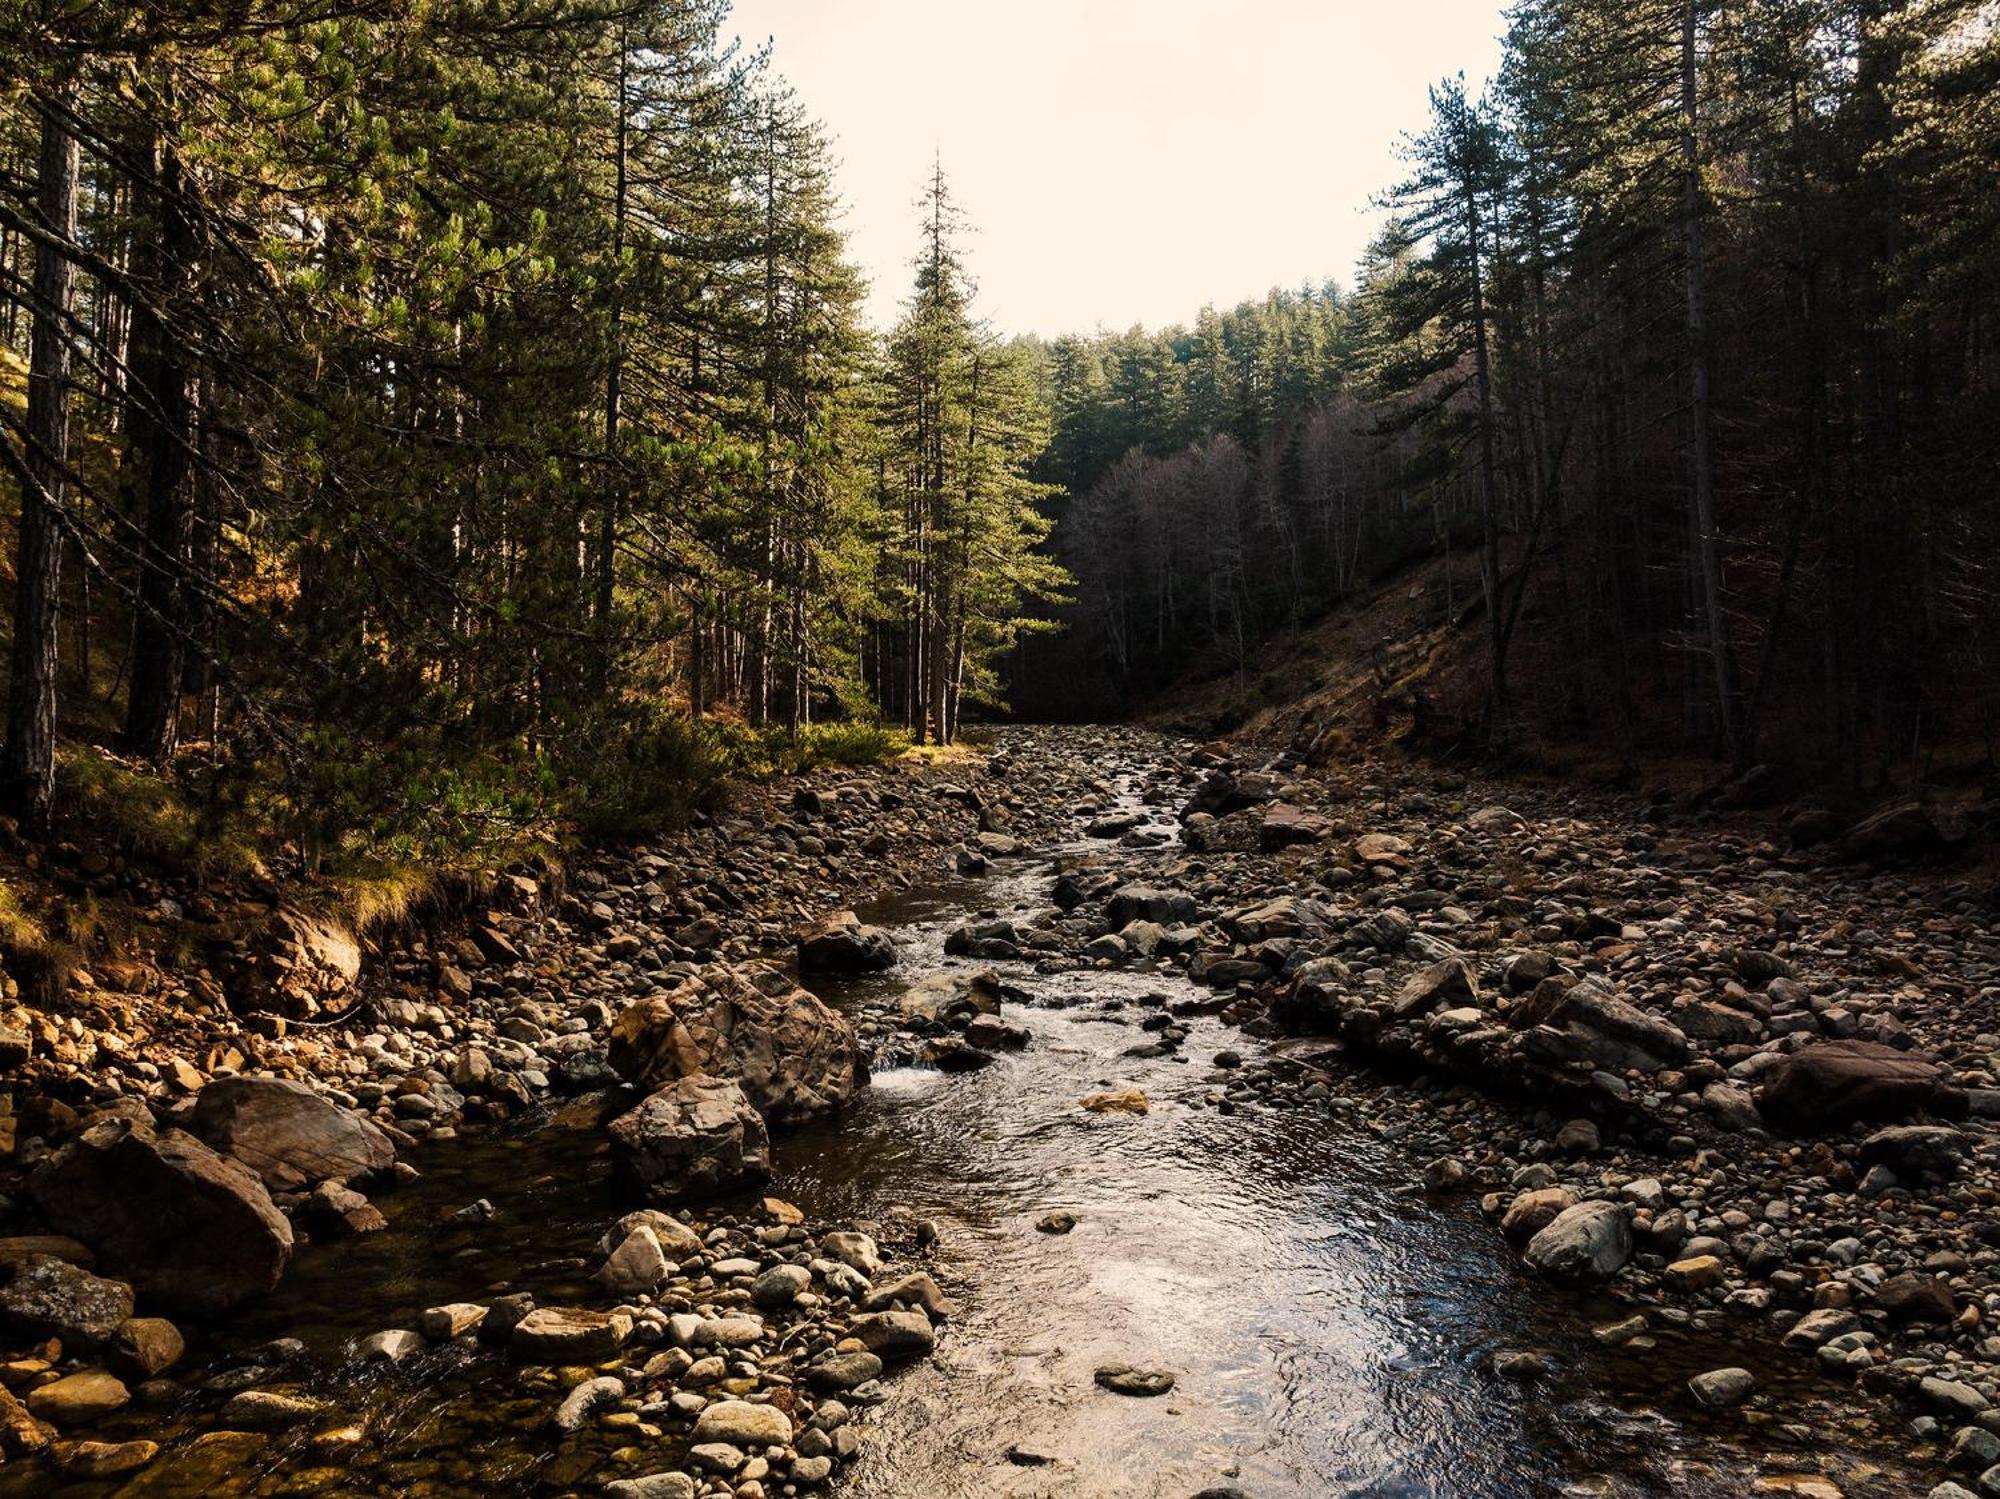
column 1328, row 1332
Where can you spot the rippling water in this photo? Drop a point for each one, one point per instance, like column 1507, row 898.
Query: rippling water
column 1328, row 1331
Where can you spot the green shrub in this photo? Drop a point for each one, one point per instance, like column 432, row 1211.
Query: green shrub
column 851, row 743
column 648, row 774
column 149, row 815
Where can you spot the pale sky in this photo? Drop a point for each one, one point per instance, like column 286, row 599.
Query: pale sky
column 1121, row 161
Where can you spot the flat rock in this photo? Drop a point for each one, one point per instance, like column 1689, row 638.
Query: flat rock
column 569, row 1335
column 287, row 1133
column 741, row 1423
column 52, row 1298
column 78, row 1399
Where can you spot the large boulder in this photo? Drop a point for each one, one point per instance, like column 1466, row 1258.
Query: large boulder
column 696, row 1136
column 1832, row 1084
column 1130, row 903
column 1222, row 792
column 185, row 1225
column 952, row 998
column 842, row 944
column 1906, row 830
column 1321, row 993
column 794, row 1057
column 1613, row 1034
column 300, row 964
column 288, row 1134
column 1584, row 1244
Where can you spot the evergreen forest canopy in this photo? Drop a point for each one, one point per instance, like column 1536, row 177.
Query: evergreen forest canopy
column 430, row 418
column 1686, row 334
column 434, row 409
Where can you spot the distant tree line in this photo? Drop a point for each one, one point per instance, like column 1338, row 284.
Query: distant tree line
column 428, row 410
column 1687, row 332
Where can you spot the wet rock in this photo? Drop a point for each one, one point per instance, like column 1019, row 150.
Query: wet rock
column 193, row 1228
column 78, row 1399
column 205, row 1465
column 1831, row 1084
column 1120, row 1101
column 896, row 1337
column 1582, row 1244
column 286, row 1133
column 103, row 1459
column 144, row 1347
column 569, row 1335
column 990, row 1033
column 1521, row 1365
column 50, row 1298
column 842, row 944
column 652, row 1486
column 586, row 1399
column 391, row 1346
column 739, row 1423
column 1721, row 1388
column 694, row 1137
column 453, row 1320
column 267, row 1410
column 793, row 1057
column 1124, row 1379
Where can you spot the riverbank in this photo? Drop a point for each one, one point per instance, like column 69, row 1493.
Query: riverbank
column 1723, row 1080
column 1315, row 987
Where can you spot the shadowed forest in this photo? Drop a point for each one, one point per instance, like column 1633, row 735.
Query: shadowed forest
column 616, row 881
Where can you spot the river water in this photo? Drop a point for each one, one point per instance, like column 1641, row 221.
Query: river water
column 1327, row 1328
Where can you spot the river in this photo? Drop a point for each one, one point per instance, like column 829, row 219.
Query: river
column 1329, row 1329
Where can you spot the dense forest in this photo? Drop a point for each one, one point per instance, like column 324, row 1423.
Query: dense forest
column 1685, row 333
column 433, row 418
column 423, row 414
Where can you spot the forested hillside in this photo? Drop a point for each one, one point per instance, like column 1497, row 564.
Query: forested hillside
column 423, row 415
column 1685, row 331
column 429, row 419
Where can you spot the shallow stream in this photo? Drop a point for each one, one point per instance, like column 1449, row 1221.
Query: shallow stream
column 1328, row 1329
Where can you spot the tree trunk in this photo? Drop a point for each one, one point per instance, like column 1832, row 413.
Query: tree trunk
column 28, row 764
column 1708, row 551
column 614, row 385
column 159, row 442
column 1489, row 484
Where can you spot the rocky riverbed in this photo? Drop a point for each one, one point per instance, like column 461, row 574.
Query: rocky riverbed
column 1234, row 1128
